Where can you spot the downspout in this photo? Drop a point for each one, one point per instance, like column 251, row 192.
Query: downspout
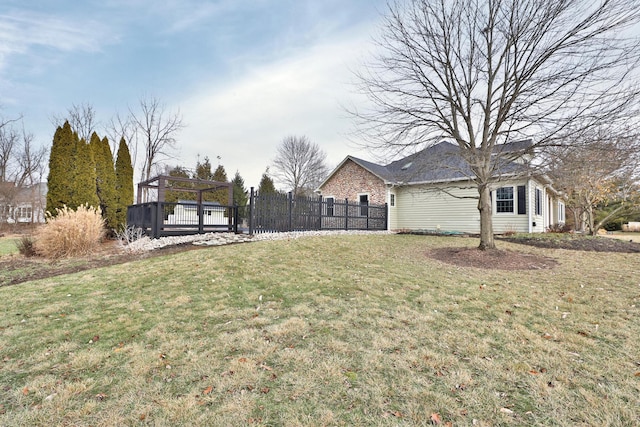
column 529, row 214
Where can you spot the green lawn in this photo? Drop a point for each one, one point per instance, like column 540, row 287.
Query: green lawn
column 324, row 331
column 8, row 245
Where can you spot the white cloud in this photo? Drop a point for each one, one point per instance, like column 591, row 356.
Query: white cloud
column 243, row 120
column 19, row 32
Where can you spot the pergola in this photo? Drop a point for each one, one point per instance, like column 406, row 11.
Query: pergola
column 159, row 183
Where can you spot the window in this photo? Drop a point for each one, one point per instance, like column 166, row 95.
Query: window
column 392, row 200
column 561, row 217
column 329, row 202
column 504, row 200
column 24, row 212
column 364, row 204
column 538, row 201
column 522, row 200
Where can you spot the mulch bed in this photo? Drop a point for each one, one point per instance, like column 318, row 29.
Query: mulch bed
column 579, row 243
column 492, row 259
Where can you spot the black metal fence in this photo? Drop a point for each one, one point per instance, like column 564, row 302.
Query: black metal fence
column 160, row 219
column 268, row 213
column 279, row 212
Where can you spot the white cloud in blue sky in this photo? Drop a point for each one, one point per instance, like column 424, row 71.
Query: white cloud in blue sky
column 244, row 74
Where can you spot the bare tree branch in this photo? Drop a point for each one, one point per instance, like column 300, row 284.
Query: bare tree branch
column 118, row 128
column 157, row 130
column 82, row 119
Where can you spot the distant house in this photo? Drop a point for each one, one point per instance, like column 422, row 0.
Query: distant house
column 431, row 190
column 22, row 204
column 186, row 213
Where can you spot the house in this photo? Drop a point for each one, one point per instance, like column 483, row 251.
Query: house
column 22, row 204
column 185, row 212
column 431, row 190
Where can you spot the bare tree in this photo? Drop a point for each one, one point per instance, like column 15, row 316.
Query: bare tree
column 299, row 164
column 21, row 166
column 118, row 128
column 82, row 119
column 157, row 132
column 8, row 140
column 483, row 73
column 599, row 175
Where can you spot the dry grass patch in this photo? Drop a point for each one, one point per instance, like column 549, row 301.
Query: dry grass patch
column 351, row 330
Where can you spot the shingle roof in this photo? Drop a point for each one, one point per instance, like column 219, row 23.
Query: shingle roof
column 442, row 162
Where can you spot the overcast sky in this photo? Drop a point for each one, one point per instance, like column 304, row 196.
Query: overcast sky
column 243, row 73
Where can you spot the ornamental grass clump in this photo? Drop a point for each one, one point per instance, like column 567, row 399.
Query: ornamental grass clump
column 70, row 233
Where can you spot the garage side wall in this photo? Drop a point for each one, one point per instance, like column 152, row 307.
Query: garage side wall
column 351, row 180
column 427, row 207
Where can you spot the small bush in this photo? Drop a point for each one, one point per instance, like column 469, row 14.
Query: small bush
column 559, row 228
column 510, row 230
column 127, row 235
column 26, row 246
column 70, row 233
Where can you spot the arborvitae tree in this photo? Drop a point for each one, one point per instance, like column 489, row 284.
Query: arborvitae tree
column 124, row 183
column 221, row 196
column 240, row 197
column 266, row 184
column 84, row 176
column 173, row 196
column 203, row 170
column 105, row 180
column 60, row 177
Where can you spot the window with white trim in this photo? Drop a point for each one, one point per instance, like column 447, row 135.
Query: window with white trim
column 561, row 213
column 24, row 212
column 538, row 201
column 504, row 200
column 392, row 200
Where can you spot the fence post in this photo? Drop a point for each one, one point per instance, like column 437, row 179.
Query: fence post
column 251, row 206
column 156, row 217
column 386, row 216
column 367, row 222
column 290, row 210
column 346, row 214
column 236, row 217
column 200, row 218
column 320, row 213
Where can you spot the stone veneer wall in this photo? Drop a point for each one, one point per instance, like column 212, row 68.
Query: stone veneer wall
column 351, row 180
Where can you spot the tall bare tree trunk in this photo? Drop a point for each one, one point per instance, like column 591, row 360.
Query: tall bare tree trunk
column 486, row 220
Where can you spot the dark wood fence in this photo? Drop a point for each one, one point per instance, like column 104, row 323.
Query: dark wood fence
column 160, row 219
column 279, row 212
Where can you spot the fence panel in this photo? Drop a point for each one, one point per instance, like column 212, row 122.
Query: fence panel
column 279, row 212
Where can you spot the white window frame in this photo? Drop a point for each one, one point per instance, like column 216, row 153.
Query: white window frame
column 392, row 200
column 513, row 200
column 562, row 213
